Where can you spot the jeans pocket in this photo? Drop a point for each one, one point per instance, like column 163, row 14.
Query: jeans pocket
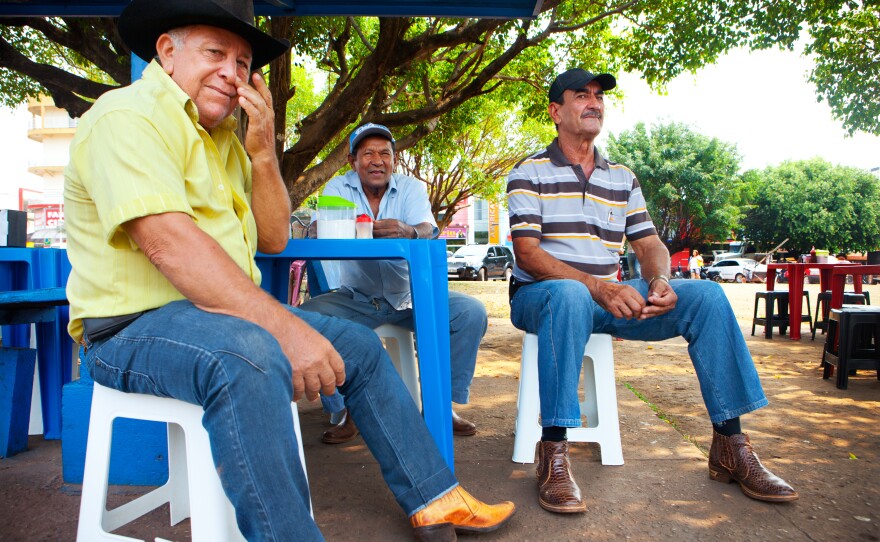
column 111, row 376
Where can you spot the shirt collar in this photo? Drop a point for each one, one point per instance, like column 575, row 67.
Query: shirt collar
column 558, row 158
column 155, row 73
column 351, row 179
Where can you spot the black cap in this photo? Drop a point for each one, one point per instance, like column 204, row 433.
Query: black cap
column 577, row 79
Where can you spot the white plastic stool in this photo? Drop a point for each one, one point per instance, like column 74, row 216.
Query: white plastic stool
column 399, row 345
column 193, row 488
column 599, row 406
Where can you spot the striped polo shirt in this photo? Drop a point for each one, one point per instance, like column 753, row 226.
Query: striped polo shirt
column 582, row 222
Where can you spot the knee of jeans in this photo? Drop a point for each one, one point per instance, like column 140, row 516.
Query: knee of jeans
column 705, row 291
column 468, row 313
column 360, row 348
column 254, row 351
column 569, row 295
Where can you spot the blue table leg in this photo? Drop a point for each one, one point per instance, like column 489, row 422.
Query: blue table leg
column 431, row 313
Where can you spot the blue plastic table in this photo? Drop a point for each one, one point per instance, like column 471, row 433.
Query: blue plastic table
column 28, row 269
column 430, row 294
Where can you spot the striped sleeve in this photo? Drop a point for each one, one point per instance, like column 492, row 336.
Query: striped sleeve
column 638, row 220
column 523, row 203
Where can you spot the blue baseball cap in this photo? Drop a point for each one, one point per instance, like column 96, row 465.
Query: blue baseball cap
column 368, row 129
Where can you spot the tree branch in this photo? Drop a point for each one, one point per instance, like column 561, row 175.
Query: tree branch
column 360, row 33
column 66, row 88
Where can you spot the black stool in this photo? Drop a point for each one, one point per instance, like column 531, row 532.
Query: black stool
column 780, row 317
column 858, row 347
column 824, row 298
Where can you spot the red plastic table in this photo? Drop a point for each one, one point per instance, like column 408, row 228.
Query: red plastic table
column 797, row 271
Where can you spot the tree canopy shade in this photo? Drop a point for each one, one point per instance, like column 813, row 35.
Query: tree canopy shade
column 814, row 204
column 690, row 182
column 408, row 73
column 470, row 153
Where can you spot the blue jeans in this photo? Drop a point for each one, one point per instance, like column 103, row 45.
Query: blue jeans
column 563, row 314
column 238, row 373
column 467, row 325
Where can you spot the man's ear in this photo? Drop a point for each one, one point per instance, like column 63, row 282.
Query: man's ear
column 165, row 50
column 553, row 111
column 351, row 160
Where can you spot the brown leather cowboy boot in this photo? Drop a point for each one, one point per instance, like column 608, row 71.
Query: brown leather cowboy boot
column 557, row 490
column 458, row 511
column 732, row 458
column 342, row 432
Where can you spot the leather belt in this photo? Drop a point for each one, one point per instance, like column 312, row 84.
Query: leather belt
column 514, row 286
column 96, row 329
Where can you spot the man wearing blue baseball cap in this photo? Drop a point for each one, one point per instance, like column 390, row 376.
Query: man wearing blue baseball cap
column 373, row 293
column 570, row 211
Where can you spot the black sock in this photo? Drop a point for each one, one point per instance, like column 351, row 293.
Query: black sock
column 553, row 434
column 728, row 427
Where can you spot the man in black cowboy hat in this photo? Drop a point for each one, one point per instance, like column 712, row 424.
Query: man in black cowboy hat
column 166, row 209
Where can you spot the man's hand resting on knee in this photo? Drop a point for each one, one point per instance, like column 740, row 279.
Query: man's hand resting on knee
column 661, row 299
column 317, row 366
column 620, row 300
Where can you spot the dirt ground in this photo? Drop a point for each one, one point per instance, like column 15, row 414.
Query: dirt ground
column 824, row 441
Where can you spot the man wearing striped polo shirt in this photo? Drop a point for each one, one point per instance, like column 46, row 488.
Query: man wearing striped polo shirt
column 570, row 212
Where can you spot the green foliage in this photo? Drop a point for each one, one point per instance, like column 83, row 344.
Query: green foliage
column 418, row 75
column 306, row 99
column 15, row 87
column 690, row 181
column 846, row 45
column 815, row 204
column 470, row 152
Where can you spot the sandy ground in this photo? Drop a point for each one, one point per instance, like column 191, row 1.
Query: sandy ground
column 824, row 441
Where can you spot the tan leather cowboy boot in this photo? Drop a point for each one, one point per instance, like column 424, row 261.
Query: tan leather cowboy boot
column 458, row 511
column 732, row 459
column 557, row 490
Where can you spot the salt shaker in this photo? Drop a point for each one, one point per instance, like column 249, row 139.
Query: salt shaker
column 364, row 227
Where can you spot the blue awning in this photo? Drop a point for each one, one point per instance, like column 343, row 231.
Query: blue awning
column 510, row 9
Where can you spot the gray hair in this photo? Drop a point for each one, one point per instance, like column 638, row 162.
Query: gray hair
column 178, row 35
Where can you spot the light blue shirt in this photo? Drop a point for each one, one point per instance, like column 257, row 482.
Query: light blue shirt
column 406, row 200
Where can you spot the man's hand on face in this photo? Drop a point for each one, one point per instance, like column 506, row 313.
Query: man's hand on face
column 390, row 228
column 661, row 299
column 620, row 300
column 256, row 101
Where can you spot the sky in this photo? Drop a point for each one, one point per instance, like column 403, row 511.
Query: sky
column 760, row 101
column 15, row 152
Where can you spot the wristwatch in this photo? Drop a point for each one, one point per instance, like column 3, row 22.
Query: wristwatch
column 658, row 277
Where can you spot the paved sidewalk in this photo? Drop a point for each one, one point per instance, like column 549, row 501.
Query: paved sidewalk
column 661, row 492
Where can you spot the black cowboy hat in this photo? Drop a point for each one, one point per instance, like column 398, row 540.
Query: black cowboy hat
column 143, row 21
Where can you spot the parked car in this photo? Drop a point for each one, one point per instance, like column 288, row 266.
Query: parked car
column 480, row 262
column 734, row 269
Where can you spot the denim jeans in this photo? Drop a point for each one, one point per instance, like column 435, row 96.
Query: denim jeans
column 238, row 373
column 467, row 325
column 563, row 314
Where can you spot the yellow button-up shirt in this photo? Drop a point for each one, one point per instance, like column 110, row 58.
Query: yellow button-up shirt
column 140, row 151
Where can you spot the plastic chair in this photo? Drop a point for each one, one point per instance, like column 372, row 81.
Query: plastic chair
column 780, row 317
column 823, row 305
column 401, row 349
column 599, row 405
column 852, row 343
column 193, row 488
